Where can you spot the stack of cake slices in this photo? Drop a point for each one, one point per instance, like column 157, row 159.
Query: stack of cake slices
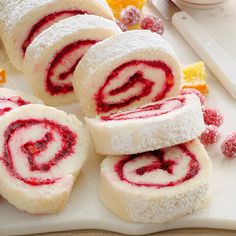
column 46, row 39
column 23, row 20
column 43, row 149
column 128, row 85
column 156, row 169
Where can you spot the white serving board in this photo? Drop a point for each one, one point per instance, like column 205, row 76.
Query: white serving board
column 85, row 210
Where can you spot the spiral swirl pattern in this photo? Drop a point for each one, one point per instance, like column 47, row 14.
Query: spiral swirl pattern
column 136, row 80
column 39, row 145
column 177, row 164
column 7, row 104
column 45, row 23
column 150, row 110
column 42, row 151
column 157, row 186
column 11, row 99
column 60, row 71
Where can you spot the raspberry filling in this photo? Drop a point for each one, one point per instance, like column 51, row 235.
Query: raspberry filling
column 45, row 23
column 136, row 80
column 7, row 104
column 144, row 112
column 60, row 71
column 31, row 153
column 158, row 169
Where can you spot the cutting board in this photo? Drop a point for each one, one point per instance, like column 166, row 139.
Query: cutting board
column 85, row 210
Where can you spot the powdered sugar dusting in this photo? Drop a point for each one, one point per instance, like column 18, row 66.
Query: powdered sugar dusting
column 167, row 208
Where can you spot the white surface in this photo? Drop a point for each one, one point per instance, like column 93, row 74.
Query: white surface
column 220, row 63
column 203, row 4
column 219, row 23
column 85, row 210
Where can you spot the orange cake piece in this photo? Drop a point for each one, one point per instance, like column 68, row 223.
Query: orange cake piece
column 195, row 77
column 118, row 5
column 2, row 76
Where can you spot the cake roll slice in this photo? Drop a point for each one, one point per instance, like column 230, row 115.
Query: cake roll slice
column 127, row 70
column 22, row 20
column 152, row 126
column 52, row 57
column 42, row 151
column 157, row 186
column 11, row 99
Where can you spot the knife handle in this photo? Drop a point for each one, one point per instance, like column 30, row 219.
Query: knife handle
column 220, row 63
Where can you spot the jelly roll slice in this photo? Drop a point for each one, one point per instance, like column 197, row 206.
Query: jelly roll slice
column 11, row 99
column 152, row 126
column 42, row 151
column 127, row 70
column 52, row 57
column 157, row 186
column 22, row 20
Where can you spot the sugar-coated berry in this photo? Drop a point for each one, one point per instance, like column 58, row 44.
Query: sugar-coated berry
column 228, row 147
column 122, row 26
column 212, row 116
column 196, row 92
column 152, row 23
column 130, row 16
column 210, row 135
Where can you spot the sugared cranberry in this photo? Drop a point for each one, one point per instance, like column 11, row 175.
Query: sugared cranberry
column 130, row 16
column 228, row 147
column 152, row 23
column 210, row 135
column 212, row 116
column 122, row 26
column 196, row 92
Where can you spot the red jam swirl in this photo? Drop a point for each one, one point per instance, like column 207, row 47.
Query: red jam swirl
column 160, row 163
column 61, row 87
column 144, row 112
column 136, row 80
column 31, row 150
column 15, row 101
column 45, row 23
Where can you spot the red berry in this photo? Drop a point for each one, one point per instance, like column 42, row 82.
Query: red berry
column 210, row 135
column 196, row 92
column 152, row 23
column 122, row 26
column 228, row 147
column 212, row 116
column 130, row 16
